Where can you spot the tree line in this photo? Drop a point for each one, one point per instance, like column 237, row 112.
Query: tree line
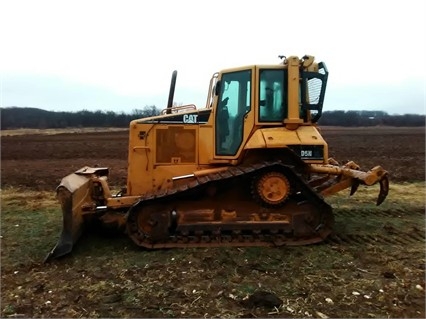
column 24, row 117
column 370, row 118
column 27, row 117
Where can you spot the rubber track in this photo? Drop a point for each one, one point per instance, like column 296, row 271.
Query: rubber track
column 235, row 239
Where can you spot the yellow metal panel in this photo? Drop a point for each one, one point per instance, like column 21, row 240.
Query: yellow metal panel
column 257, row 140
column 205, row 145
column 176, row 144
column 293, row 117
column 276, row 137
column 309, row 135
column 280, row 136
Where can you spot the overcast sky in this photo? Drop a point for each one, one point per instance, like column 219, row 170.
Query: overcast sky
column 119, row 55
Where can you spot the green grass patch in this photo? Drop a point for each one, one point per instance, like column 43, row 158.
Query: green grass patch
column 402, row 197
column 111, row 277
column 29, row 220
column 31, row 223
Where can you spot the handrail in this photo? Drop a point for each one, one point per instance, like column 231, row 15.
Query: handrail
column 212, row 84
column 178, row 109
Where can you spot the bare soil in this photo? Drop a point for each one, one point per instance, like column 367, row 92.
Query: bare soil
column 372, row 269
column 40, row 161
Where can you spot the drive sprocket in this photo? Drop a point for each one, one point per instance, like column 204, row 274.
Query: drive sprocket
column 271, row 188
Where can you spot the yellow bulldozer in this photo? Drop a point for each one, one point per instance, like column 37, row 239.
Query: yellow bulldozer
column 249, row 169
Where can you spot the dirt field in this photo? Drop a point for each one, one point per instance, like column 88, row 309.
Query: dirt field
column 40, row 161
column 374, row 272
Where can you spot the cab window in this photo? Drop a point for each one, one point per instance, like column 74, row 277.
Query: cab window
column 234, row 103
column 272, row 95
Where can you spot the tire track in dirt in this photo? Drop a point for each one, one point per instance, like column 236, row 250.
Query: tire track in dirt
column 362, row 239
column 394, row 228
column 344, row 213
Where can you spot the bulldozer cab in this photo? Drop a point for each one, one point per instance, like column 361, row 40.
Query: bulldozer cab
column 263, row 96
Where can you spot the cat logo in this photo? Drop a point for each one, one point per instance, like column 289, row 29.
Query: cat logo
column 190, row 118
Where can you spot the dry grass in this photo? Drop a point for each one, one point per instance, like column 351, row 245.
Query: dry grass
column 400, row 194
column 110, row 277
column 27, row 200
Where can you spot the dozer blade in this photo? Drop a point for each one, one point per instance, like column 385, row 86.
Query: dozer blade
column 73, row 193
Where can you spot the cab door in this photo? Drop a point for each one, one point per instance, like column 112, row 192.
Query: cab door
column 272, row 98
column 234, row 104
